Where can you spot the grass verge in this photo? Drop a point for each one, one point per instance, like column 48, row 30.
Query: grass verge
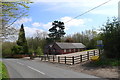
column 3, row 72
column 106, row 62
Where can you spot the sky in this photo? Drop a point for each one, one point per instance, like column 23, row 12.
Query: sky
column 42, row 13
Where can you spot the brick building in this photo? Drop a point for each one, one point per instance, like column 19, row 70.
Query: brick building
column 58, row 48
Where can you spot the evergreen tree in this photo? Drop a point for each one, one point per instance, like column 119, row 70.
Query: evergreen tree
column 57, row 31
column 22, row 41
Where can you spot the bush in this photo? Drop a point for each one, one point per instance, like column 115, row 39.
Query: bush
column 20, row 56
column 7, row 49
column 111, row 37
column 39, row 51
column 31, row 51
column 106, row 62
column 17, row 49
column 7, row 52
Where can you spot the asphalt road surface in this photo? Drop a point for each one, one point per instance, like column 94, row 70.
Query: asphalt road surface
column 19, row 68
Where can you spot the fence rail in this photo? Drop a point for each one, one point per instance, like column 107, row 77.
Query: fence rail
column 70, row 59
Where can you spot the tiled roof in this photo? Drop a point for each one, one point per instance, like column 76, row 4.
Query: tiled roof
column 79, row 45
column 63, row 45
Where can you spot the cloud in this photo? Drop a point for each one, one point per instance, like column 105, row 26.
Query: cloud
column 73, row 23
column 47, row 26
column 69, row 22
column 87, row 3
column 46, row 1
column 80, row 6
column 57, row 1
column 36, row 24
column 104, row 12
column 30, row 31
column 23, row 20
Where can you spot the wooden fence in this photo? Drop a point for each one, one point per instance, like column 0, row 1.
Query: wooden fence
column 71, row 59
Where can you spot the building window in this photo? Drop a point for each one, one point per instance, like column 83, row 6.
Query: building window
column 74, row 50
column 53, row 50
column 69, row 50
column 64, row 50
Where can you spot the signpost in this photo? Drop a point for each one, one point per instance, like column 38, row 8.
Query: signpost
column 100, row 45
column 99, row 42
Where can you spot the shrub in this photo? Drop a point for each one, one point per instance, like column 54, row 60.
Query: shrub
column 17, row 49
column 111, row 37
column 31, row 51
column 39, row 51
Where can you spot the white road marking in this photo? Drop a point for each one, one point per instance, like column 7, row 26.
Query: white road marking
column 20, row 63
column 36, row 70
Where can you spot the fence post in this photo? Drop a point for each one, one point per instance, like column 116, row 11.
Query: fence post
column 65, row 59
column 53, row 58
column 80, row 58
column 45, row 58
column 48, row 58
column 94, row 52
column 99, row 51
column 58, row 59
column 41, row 58
column 88, row 55
column 73, row 60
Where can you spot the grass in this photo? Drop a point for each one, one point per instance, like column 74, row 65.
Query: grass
column 88, row 50
column 3, row 72
column 106, row 62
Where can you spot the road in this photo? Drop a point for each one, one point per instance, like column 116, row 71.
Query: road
column 19, row 68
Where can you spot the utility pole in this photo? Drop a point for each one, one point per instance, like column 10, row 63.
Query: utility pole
column 119, row 11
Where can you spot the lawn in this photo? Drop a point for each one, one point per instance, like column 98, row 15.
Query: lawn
column 3, row 72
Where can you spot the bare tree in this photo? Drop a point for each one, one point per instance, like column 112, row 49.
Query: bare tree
column 41, row 34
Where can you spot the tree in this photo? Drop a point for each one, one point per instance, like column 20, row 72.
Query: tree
column 39, row 51
column 17, row 49
column 69, row 40
column 57, row 31
column 7, row 48
column 38, row 40
column 11, row 12
column 87, row 37
column 91, row 44
column 111, row 37
column 31, row 51
column 22, row 42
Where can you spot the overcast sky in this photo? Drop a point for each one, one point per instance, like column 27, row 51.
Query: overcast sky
column 42, row 13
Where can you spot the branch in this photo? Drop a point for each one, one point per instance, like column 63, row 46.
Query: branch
column 16, row 19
